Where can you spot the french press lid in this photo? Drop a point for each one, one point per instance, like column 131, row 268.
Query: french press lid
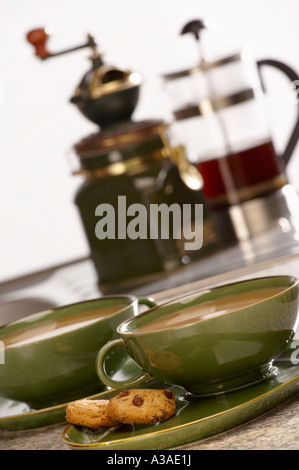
column 210, row 101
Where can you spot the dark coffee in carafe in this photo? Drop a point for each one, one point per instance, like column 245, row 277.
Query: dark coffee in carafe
column 243, row 175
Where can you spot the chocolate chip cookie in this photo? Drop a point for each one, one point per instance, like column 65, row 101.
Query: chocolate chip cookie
column 90, row 413
column 142, row 406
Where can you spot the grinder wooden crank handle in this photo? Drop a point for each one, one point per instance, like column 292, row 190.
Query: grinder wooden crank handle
column 39, row 37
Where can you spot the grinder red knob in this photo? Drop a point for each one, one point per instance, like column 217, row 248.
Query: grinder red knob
column 38, row 38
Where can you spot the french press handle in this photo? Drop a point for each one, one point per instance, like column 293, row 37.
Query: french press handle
column 292, row 75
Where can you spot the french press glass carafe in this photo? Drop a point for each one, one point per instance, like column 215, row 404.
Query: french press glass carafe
column 220, row 115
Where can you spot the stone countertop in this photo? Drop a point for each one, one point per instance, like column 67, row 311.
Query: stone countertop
column 275, row 430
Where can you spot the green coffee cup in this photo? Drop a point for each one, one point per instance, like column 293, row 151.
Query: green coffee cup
column 49, row 357
column 233, row 334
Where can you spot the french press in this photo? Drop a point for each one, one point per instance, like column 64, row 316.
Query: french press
column 125, row 164
column 220, row 115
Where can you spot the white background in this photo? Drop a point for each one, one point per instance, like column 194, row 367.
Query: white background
column 39, row 222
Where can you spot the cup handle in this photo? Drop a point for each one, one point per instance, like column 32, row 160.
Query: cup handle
column 104, row 377
column 148, row 301
column 293, row 76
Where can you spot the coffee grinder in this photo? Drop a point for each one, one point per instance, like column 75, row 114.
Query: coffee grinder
column 125, row 164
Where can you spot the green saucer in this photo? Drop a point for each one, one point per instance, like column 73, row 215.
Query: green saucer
column 195, row 418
